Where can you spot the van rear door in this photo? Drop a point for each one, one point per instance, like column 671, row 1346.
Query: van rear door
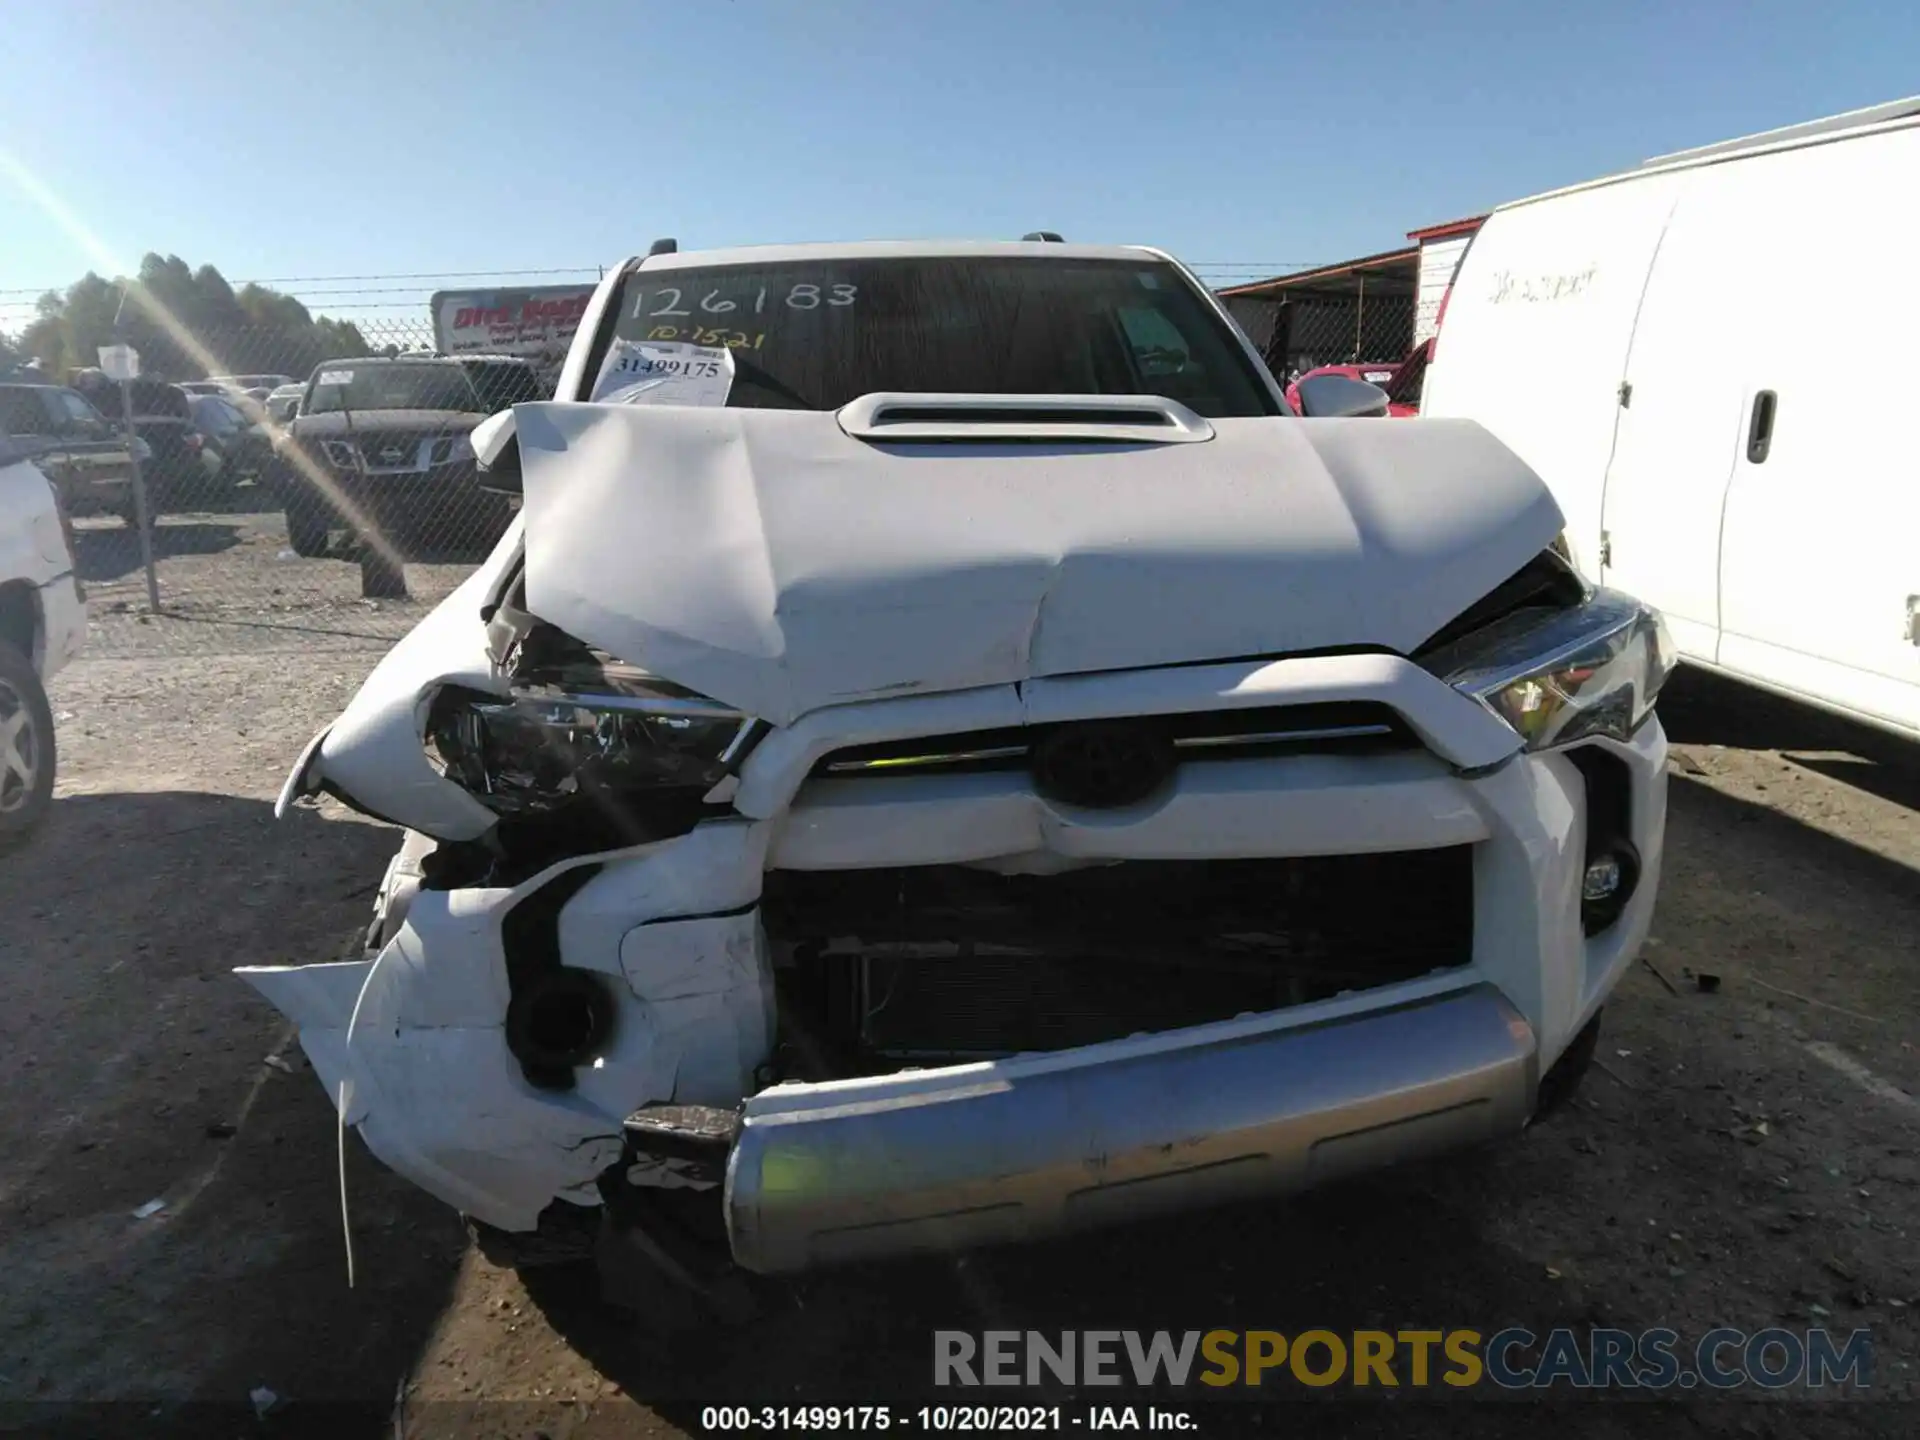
column 1536, row 334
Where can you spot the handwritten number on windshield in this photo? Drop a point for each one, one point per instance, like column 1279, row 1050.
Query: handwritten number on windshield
column 806, row 295
column 709, row 335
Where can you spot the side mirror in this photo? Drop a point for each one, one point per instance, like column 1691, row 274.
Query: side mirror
column 1332, row 397
column 496, row 452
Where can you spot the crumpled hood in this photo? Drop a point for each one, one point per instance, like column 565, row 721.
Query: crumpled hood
column 770, row 560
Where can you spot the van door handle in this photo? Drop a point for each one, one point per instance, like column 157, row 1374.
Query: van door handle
column 1760, row 428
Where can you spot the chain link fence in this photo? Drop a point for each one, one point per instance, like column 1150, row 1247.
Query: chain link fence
column 308, row 492
column 1300, row 332
column 299, row 495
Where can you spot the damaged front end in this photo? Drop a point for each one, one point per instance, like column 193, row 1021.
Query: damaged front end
column 782, row 956
column 534, row 976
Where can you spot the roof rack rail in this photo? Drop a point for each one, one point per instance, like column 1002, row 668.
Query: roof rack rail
column 1051, row 237
column 666, row 245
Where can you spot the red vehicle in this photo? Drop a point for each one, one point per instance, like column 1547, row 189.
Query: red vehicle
column 1401, row 382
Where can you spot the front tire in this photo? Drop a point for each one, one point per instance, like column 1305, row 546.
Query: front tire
column 307, row 530
column 26, row 748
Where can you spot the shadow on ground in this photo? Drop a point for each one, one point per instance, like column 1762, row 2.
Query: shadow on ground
column 111, row 552
column 1408, row 1251
column 135, row 1068
column 1383, row 1254
column 1707, row 709
column 247, row 497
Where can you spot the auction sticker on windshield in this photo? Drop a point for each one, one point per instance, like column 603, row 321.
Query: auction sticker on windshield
column 335, row 377
column 664, row 372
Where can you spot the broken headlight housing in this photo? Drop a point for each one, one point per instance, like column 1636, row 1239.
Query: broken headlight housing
column 1557, row 676
column 549, row 745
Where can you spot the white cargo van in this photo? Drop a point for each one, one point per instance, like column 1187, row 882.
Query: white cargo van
column 1711, row 361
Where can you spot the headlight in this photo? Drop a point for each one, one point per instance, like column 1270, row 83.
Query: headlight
column 461, row 449
column 339, row 454
column 1561, row 676
column 542, row 749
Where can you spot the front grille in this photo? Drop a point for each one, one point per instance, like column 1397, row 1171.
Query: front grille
column 388, row 452
column 952, row 962
column 1197, row 736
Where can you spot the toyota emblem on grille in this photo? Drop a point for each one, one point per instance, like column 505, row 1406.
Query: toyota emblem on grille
column 1102, row 764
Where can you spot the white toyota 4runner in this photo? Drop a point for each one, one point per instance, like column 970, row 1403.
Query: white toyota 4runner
column 945, row 755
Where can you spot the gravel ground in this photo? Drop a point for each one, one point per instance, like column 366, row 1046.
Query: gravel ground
column 1746, row 1157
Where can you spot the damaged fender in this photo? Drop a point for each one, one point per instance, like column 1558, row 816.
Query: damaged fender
column 372, row 755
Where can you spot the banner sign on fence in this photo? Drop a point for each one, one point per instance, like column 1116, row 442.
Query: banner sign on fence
column 536, row 322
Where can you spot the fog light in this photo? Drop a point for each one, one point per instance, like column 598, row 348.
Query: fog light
column 1602, row 880
column 557, row 1020
column 1606, row 886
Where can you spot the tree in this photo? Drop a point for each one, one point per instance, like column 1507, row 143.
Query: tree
column 186, row 324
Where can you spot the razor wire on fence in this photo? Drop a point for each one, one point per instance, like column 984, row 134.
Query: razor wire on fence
column 314, row 488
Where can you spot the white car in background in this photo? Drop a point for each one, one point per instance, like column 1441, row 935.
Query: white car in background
column 43, row 623
column 946, row 755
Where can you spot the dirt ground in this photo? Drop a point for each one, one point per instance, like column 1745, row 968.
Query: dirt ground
column 1744, row 1157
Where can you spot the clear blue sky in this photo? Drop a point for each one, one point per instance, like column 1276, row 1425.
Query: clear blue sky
column 361, row 137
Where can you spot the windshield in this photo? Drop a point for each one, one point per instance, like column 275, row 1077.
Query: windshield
column 212, row 413
column 812, row 335
column 357, row 385
column 157, row 400
column 502, row 384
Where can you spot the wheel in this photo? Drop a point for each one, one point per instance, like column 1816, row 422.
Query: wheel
column 26, row 747
column 306, row 529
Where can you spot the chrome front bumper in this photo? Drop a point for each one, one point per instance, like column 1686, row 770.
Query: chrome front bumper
column 1009, row 1150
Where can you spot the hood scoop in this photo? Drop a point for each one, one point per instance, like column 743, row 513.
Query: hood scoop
column 938, row 417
